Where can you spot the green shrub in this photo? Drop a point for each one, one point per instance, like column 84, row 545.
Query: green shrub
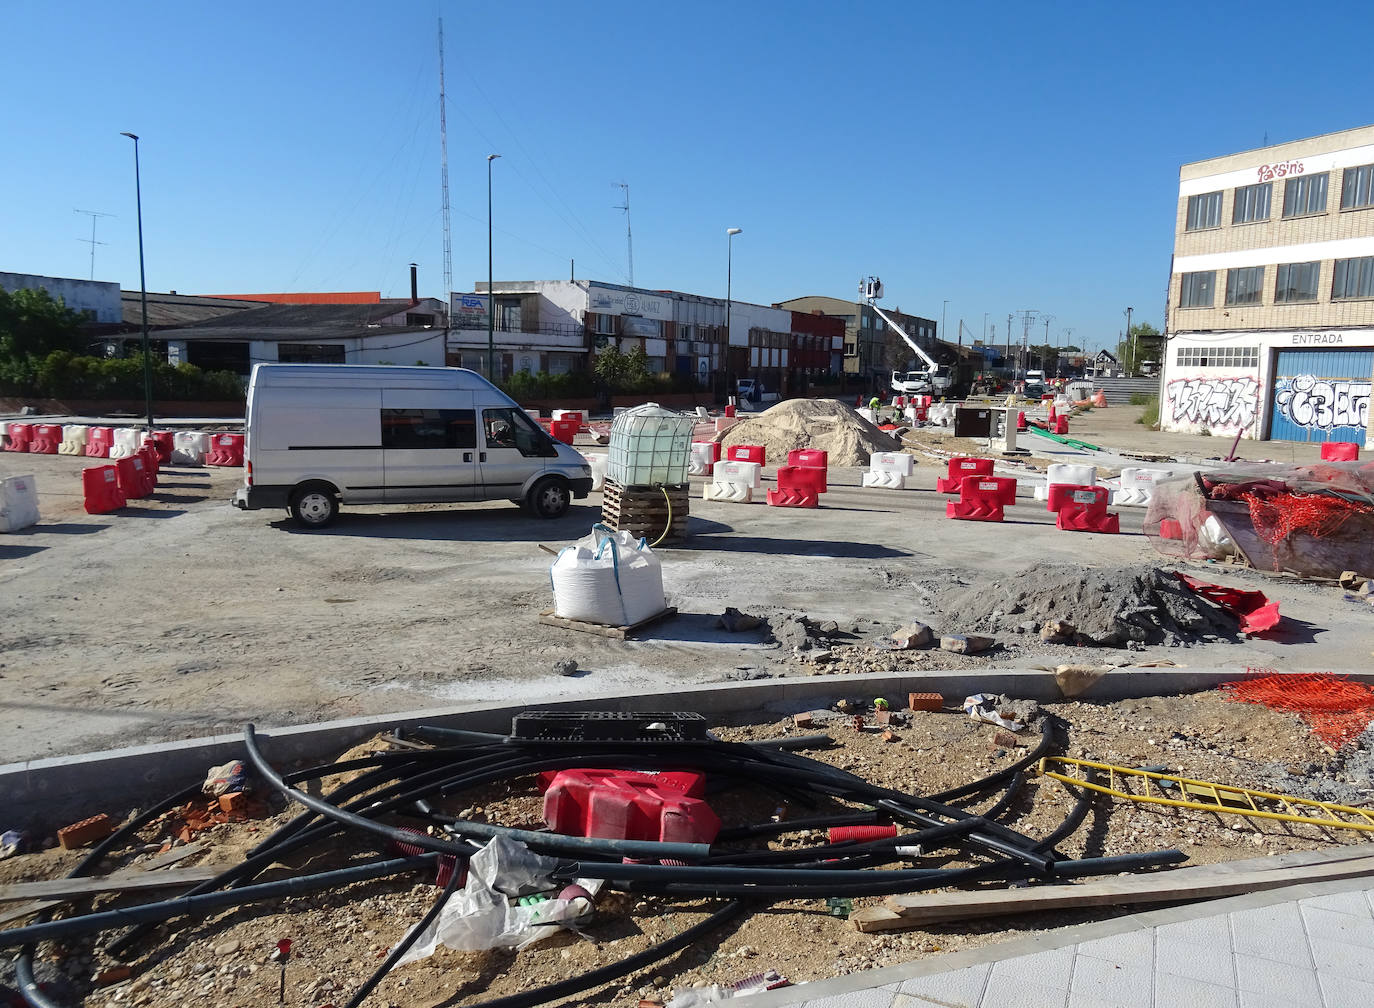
column 1149, row 416
column 1142, row 398
column 64, row 375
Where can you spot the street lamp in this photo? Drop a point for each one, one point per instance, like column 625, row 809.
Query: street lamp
column 729, row 254
column 143, row 289
column 491, row 298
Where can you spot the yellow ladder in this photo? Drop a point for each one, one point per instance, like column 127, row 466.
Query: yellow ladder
column 1205, row 796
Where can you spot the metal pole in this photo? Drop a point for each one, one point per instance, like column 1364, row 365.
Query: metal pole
column 143, row 289
column 1130, row 342
column 491, row 298
column 729, row 264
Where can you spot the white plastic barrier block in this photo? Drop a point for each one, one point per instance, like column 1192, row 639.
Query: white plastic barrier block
column 73, row 440
column 745, row 473
column 127, row 442
column 190, row 447
column 18, row 503
column 942, row 414
column 884, row 479
column 599, row 464
column 569, row 414
column 731, row 493
column 700, row 457
column 1138, row 486
column 724, row 423
column 867, row 414
column 1063, row 472
column 893, row 462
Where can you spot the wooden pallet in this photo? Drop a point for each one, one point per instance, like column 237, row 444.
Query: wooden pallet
column 616, row 633
column 644, row 512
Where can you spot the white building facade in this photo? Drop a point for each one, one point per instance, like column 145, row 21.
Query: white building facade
column 1270, row 323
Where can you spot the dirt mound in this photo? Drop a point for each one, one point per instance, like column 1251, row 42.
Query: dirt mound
column 1107, row 607
column 827, row 424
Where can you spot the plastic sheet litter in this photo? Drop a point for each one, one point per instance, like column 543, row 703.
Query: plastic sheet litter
column 1252, row 609
column 1336, row 708
column 1313, row 520
column 226, row 778
column 984, row 707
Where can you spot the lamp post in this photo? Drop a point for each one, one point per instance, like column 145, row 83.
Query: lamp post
column 729, row 255
column 143, row 290
column 491, row 298
column 1130, row 342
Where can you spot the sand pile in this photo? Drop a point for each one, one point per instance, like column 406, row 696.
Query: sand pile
column 1107, row 607
column 826, row 424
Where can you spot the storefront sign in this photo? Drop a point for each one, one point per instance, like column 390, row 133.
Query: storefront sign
column 1318, row 339
column 619, row 302
column 1267, row 172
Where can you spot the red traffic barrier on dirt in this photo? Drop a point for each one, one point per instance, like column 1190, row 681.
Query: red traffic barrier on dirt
column 961, row 467
column 808, row 478
column 744, row 453
column 629, row 805
column 1061, row 425
column 133, row 477
column 21, row 434
column 100, row 488
column 1085, row 510
column 982, row 498
column 1340, row 451
column 45, row 439
column 797, row 497
column 1021, row 421
column 225, row 450
column 99, row 441
column 148, row 453
column 565, row 430
column 812, row 457
column 163, row 442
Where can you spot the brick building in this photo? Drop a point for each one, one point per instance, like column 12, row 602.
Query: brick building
column 1270, row 320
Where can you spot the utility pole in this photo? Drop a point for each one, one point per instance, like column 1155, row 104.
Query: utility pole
column 1009, row 342
column 91, row 240
column 1130, row 340
column 629, row 241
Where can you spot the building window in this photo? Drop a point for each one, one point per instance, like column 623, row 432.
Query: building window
column 1357, row 187
column 419, row 319
column 604, row 325
column 850, row 350
column 1354, row 278
column 1244, row 286
column 310, row 353
column 1305, row 195
column 1204, row 211
column 508, row 314
column 1252, row 203
column 1196, row 291
column 1225, row 356
column 429, row 428
column 1297, row 282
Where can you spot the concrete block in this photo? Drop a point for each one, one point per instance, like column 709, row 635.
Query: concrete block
column 912, row 635
column 966, row 643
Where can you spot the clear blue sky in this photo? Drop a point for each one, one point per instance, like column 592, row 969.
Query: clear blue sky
column 1001, row 156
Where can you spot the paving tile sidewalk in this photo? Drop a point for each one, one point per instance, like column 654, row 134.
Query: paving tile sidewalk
column 1305, row 946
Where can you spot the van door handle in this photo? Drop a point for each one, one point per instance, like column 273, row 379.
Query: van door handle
column 482, row 456
column 467, row 456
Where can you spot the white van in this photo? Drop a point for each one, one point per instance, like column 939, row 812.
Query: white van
column 322, row 435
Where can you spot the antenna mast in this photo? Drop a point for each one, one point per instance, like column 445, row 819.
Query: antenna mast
column 443, row 172
column 91, row 240
column 629, row 240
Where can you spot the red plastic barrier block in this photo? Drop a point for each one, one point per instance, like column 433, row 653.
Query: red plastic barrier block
column 100, row 488
column 20, row 436
column 1170, row 528
column 629, row 805
column 990, row 511
column 565, row 430
column 959, row 467
column 812, row 457
column 1085, row 510
column 982, row 498
column 99, row 441
column 1057, row 493
column 225, row 450
column 1004, row 487
column 921, row 413
column 804, row 478
column 162, row 442
column 729, row 411
column 1061, row 425
column 1340, row 451
column 745, row 453
column 792, row 497
column 150, row 460
column 45, row 439
column 131, row 473
column 1021, row 422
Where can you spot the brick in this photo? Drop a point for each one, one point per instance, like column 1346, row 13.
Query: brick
column 926, row 701
column 113, row 975
column 87, row 831
column 1003, row 739
column 234, row 801
column 882, row 717
column 803, row 720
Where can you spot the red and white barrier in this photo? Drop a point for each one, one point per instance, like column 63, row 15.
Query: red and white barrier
column 225, row 450
column 101, row 490
column 808, row 478
column 73, row 440
column 20, row 434
column 46, row 439
column 733, row 482
column 702, row 455
column 745, row 453
column 1065, row 474
column 1085, row 510
column 1138, row 486
column 982, row 498
column 960, row 468
column 127, row 442
column 99, row 442
column 1340, row 451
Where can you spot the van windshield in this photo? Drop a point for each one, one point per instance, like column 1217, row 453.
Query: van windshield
column 512, row 428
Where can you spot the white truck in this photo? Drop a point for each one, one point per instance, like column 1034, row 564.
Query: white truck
column 924, row 382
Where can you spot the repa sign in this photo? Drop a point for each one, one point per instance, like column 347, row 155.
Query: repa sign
column 469, row 305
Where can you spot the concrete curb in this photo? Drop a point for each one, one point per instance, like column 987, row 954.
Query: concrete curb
column 43, row 794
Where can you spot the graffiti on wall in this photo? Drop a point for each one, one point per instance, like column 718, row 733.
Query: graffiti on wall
column 1224, row 403
column 1323, row 403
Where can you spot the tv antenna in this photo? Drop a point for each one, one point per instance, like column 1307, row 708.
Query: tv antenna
column 93, row 214
column 629, row 240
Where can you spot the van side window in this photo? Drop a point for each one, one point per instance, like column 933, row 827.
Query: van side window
column 429, row 428
column 513, row 428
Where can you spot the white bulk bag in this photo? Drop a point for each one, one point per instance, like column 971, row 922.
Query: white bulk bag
column 609, row 578
column 598, row 464
column 18, row 503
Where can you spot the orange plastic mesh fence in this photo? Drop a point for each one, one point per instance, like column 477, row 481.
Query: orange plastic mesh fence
column 1319, row 516
column 1336, row 708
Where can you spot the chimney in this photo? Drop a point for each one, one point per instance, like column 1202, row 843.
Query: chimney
column 414, row 286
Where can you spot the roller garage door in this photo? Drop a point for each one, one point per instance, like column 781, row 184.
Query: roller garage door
column 1321, row 395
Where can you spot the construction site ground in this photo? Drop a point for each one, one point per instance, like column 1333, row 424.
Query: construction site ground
column 179, row 616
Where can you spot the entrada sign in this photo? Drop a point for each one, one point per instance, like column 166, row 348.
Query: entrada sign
column 1279, row 170
column 1316, row 339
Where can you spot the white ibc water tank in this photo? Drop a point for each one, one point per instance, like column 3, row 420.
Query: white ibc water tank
column 649, row 447
column 18, row 503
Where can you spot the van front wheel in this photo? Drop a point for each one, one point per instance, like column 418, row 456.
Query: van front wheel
column 314, row 506
column 549, row 498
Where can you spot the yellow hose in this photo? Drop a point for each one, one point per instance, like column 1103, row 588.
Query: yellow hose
column 669, row 526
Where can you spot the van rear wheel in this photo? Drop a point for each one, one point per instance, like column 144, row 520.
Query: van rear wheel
column 549, row 498
column 314, row 506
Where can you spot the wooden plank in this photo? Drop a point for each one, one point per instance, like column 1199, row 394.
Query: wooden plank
column 133, row 882
column 1181, row 885
column 616, row 633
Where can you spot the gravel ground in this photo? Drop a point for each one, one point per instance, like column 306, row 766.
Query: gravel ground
column 341, row 937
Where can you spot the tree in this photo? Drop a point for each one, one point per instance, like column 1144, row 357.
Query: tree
column 33, row 324
column 1142, row 343
column 626, row 371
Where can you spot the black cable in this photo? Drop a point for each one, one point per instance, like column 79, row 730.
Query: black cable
column 1050, row 726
